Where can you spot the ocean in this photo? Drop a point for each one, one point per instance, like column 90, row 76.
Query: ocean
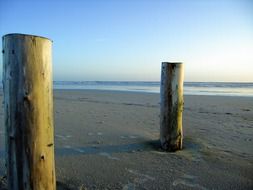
column 190, row 88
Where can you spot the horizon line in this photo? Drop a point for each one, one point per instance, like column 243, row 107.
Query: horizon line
column 147, row 81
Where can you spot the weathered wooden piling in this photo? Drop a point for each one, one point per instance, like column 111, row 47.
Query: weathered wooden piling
column 28, row 112
column 171, row 132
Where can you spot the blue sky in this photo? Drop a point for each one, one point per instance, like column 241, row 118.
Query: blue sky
column 128, row 39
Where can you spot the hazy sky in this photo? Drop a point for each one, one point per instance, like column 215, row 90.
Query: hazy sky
column 128, row 39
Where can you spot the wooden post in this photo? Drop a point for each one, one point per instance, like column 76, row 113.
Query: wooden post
column 171, row 132
column 28, row 112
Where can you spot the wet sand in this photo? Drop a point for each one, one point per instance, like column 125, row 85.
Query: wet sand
column 109, row 140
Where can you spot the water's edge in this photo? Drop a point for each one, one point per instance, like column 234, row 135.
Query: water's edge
column 190, row 88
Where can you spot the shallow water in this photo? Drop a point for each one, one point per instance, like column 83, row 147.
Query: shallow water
column 190, row 88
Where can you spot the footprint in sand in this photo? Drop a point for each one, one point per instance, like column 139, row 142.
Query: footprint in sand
column 188, row 181
column 78, row 150
column 108, row 156
column 63, row 137
column 60, row 137
column 192, row 154
column 138, row 180
column 248, row 139
column 99, row 133
column 129, row 136
column 245, row 109
column 129, row 186
column 140, row 175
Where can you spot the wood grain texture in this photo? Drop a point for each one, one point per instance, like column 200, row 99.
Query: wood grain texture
column 28, row 112
column 171, row 132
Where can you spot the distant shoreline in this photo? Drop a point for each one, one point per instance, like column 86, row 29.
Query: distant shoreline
column 226, row 89
column 190, row 88
column 139, row 92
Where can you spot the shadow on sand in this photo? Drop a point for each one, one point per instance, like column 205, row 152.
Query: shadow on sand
column 152, row 145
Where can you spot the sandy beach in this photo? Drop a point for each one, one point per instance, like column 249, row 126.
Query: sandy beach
column 109, row 140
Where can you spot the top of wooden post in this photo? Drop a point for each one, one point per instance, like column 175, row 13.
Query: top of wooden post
column 172, row 62
column 26, row 35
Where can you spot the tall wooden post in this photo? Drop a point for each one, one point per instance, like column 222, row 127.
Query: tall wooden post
column 171, row 132
column 28, row 112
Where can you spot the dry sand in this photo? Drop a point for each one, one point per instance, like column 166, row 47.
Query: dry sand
column 109, row 140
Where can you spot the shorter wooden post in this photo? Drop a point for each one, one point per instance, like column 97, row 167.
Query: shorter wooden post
column 171, row 132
